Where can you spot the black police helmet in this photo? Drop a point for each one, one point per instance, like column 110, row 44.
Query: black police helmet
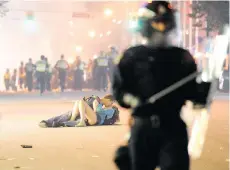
column 157, row 16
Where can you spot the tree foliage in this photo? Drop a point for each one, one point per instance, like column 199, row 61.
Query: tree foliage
column 3, row 8
column 216, row 13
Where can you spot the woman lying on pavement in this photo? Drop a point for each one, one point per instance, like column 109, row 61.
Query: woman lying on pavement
column 86, row 112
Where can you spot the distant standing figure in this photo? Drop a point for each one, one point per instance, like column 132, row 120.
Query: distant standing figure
column 22, row 76
column 29, row 69
column 78, row 73
column 62, row 67
column 41, row 67
column 7, row 79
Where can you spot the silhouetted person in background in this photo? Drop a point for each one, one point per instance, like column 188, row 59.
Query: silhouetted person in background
column 78, row 74
column 7, row 79
column 62, row 67
column 29, row 69
column 41, row 67
column 22, row 76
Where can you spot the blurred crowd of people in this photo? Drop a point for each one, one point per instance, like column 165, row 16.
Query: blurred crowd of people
column 96, row 74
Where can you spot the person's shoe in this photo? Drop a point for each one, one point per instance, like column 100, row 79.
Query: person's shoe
column 81, row 124
column 43, row 124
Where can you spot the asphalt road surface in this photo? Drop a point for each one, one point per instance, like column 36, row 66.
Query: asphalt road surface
column 89, row 148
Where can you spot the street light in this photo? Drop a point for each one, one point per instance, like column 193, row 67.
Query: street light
column 108, row 12
column 30, row 26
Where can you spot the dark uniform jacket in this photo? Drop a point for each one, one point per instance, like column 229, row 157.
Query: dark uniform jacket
column 144, row 71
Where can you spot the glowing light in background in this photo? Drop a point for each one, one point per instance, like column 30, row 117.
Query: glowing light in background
column 94, row 56
column 70, row 60
column 71, row 23
column 101, row 35
column 92, row 34
column 119, row 22
column 144, row 41
column 108, row 12
column 114, row 20
column 198, row 55
column 108, row 33
column 78, row 48
column 133, row 24
column 30, row 26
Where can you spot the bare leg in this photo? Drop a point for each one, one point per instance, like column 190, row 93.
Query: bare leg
column 75, row 111
column 86, row 112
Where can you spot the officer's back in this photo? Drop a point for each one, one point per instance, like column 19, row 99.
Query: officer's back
column 147, row 71
column 41, row 65
column 144, row 71
column 62, row 64
column 29, row 66
column 102, row 61
column 158, row 135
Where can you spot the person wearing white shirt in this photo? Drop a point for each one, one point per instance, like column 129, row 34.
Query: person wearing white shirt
column 41, row 66
column 62, row 66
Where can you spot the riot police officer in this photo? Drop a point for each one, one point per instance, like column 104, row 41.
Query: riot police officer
column 145, row 72
column 29, row 67
column 101, row 71
column 41, row 67
column 62, row 67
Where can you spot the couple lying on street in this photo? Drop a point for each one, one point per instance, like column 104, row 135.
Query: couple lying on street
column 88, row 111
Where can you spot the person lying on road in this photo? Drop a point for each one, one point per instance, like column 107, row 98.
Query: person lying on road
column 86, row 112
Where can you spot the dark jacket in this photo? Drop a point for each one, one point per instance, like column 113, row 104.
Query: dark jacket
column 144, row 71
